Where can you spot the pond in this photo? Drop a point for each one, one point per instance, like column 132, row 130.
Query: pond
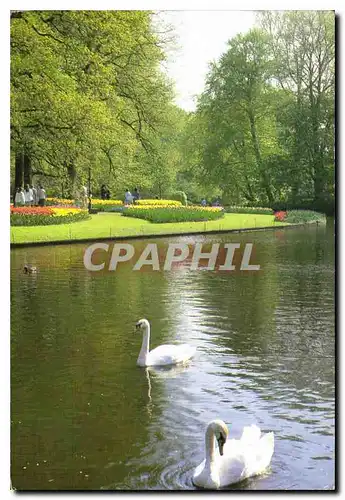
column 85, row 417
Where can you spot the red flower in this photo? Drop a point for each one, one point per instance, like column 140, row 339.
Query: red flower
column 280, row 216
column 32, row 210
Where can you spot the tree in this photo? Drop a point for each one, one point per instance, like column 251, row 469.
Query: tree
column 86, row 88
column 265, row 122
column 303, row 46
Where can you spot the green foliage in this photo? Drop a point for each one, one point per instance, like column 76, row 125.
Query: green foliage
column 173, row 214
column 86, row 91
column 46, row 220
column 248, row 210
column 303, row 216
column 263, row 132
column 88, row 97
column 179, row 196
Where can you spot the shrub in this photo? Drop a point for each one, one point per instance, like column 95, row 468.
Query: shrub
column 180, row 196
column 325, row 206
column 155, row 203
column 249, row 210
column 304, row 216
column 174, row 214
column 42, row 216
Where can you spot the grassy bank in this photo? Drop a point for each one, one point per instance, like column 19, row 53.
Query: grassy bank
column 114, row 225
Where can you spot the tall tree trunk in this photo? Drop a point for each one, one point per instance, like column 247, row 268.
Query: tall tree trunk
column 19, row 170
column 18, row 173
column 298, row 149
column 255, row 143
column 27, row 169
column 250, row 194
column 72, row 174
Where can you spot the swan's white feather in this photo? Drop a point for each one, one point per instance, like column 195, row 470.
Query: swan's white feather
column 170, row 354
column 162, row 355
column 242, row 458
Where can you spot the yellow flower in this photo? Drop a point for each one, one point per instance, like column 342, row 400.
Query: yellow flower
column 64, row 211
column 60, row 201
column 167, row 203
column 107, row 202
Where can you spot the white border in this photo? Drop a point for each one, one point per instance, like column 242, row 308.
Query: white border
column 4, row 167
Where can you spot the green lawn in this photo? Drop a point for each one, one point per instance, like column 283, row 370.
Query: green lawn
column 104, row 225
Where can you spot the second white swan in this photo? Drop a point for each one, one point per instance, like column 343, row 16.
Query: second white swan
column 237, row 459
column 163, row 354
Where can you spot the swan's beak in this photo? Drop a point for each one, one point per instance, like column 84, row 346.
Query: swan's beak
column 137, row 326
column 221, row 441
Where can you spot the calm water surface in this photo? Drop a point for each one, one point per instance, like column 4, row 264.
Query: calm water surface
column 84, row 416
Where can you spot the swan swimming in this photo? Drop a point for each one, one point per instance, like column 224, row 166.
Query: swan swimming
column 163, row 354
column 237, row 459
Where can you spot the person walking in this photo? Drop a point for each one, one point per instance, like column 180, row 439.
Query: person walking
column 42, row 196
column 28, row 195
column 136, row 195
column 128, row 197
column 84, row 196
column 19, row 200
column 34, row 195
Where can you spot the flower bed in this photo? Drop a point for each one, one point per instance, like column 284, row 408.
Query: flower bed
column 249, row 210
column 107, row 205
column 159, row 203
column 173, row 214
column 42, row 216
column 59, row 202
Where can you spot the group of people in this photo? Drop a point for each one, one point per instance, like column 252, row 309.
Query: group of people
column 30, row 196
column 215, row 203
column 131, row 197
column 105, row 193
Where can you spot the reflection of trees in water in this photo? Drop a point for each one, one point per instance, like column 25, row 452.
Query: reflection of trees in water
column 282, row 316
column 75, row 384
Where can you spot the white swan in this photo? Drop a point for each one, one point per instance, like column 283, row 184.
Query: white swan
column 163, row 354
column 237, row 459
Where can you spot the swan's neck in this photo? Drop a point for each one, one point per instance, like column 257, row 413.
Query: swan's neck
column 144, row 347
column 210, row 443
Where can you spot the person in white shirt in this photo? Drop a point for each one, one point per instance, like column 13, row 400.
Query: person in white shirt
column 34, row 195
column 41, row 196
column 84, row 196
column 29, row 197
column 128, row 197
column 19, row 200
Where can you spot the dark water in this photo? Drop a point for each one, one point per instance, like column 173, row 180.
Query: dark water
column 84, row 416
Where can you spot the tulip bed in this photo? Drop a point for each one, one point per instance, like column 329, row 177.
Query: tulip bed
column 161, row 214
column 107, row 205
column 158, row 203
column 59, row 202
column 42, row 216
